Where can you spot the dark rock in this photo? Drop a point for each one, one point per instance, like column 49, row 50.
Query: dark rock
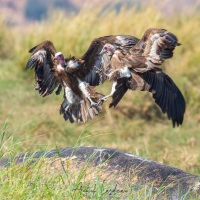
column 124, row 167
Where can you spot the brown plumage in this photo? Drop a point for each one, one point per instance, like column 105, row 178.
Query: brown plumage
column 96, row 64
column 90, row 71
column 80, row 99
column 140, row 69
column 77, row 106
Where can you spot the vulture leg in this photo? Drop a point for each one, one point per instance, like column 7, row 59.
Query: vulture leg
column 84, row 88
column 110, row 95
column 114, row 76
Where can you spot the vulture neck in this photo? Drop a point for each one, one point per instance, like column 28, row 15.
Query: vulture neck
column 60, row 67
column 62, row 63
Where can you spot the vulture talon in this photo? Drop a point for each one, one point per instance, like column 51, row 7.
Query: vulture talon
column 101, row 101
column 93, row 105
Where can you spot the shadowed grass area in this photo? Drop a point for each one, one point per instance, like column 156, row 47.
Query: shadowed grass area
column 52, row 175
column 136, row 125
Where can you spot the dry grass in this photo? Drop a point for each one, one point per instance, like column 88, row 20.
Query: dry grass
column 137, row 125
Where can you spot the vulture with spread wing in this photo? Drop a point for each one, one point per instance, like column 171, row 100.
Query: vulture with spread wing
column 77, row 76
column 80, row 99
column 139, row 68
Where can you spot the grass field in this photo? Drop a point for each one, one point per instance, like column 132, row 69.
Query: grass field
column 30, row 122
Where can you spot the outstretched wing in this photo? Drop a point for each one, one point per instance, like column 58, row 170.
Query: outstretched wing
column 156, row 46
column 42, row 62
column 165, row 92
column 96, row 63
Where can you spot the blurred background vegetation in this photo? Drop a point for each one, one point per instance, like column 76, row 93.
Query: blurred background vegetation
column 137, row 124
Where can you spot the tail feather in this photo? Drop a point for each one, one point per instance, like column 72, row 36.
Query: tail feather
column 79, row 112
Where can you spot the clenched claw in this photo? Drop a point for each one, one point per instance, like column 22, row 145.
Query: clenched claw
column 93, row 104
column 102, row 100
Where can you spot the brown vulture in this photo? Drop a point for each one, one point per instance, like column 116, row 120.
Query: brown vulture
column 139, row 68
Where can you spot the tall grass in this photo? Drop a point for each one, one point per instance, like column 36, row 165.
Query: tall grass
column 136, row 125
column 6, row 41
column 39, row 177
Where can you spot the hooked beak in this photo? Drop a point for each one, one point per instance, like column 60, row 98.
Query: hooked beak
column 102, row 51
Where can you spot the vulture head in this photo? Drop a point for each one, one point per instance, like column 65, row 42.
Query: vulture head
column 109, row 49
column 60, row 57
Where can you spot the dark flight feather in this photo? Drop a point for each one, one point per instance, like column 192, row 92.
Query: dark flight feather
column 42, row 62
column 144, row 61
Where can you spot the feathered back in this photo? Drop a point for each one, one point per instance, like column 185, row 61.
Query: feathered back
column 156, row 46
column 96, row 63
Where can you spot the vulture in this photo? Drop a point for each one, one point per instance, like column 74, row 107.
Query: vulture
column 139, row 68
column 80, row 99
column 78, row 77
